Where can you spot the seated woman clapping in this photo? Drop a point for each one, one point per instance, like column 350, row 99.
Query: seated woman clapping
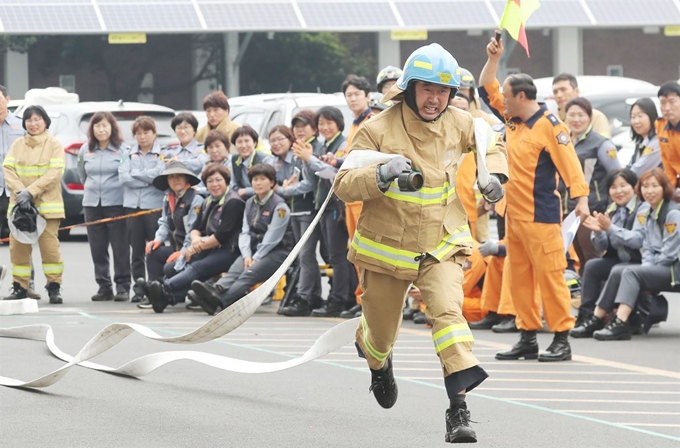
column 266, row 240
column 619, row 234
column 659, row 259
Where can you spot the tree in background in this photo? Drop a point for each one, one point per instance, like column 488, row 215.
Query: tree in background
column 305, row 62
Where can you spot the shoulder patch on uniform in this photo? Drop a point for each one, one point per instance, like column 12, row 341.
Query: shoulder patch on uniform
column 553, row 119
column 647, row 150
column 670, row 227
column 563, row 138
column 197, row 208
column 281, row 212
column 612, row 153
column 642, row 218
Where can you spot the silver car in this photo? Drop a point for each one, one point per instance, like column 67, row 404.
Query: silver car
column 69, row 126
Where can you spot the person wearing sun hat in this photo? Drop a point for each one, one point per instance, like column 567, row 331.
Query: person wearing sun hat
column 180, row 209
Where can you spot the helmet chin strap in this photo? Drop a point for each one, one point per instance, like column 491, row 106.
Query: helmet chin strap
column 410, row 100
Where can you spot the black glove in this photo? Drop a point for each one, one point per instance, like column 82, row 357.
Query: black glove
column 24, row 199
column 494, row 191
column 392, row 169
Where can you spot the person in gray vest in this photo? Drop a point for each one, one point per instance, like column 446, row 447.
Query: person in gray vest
column 214, row 240
column 297, row 189
column 265, row 241
column 647, row 154
column 136, row 172
column 598, row 156
column 180, row 210
column 189, row 151
column 333, row 228
column 660, row 268
column 98, row 162
column 619, row 234
column 245, row 140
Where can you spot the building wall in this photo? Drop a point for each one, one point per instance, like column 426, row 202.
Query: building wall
column 651, row 57
column 113, row 72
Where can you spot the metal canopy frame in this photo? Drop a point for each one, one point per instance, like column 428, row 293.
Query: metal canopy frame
column 206, row 16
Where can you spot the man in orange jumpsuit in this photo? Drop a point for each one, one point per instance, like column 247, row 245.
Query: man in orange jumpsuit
column 668, row 130
column 538, row 148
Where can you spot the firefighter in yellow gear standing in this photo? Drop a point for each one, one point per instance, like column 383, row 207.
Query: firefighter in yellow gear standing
column 418, row 237
column 33, row 170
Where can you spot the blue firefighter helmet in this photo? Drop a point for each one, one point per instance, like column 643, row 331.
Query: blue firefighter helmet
column 431, row 63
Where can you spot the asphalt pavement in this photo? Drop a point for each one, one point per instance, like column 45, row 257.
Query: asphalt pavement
column 613, row 394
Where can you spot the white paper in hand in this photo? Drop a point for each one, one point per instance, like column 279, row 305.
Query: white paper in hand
column 569, row 227
column 486, row 139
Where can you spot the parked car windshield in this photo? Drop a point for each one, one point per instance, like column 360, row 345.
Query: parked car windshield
column 164, row 131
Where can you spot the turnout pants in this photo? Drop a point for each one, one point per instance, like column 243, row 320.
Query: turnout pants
column 100, row 237
column 441, row 285
column 238, row 282
column 536, row 256
column 141, row 230
column 309, row 281
column 20, row 256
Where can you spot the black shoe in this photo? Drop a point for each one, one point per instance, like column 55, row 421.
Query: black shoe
column 144, row 304
column 361, row 312
column 299, row 307
column 330, row 309
column 616, row 330
column 140, row 289
column 587, row 328
column 487, row 323
column 526, row 347
column 158, row 297
column 18, row 292
column 383, row 386
column 507, row 326
column 409, row 313
column 206, row 295
column 32, row 294
column 54, row 293
column 420, row 318
column 352, row 312
column 122, row 296
column 458, row 428
column 102, row 296
column 582, row 317
column 559, row 350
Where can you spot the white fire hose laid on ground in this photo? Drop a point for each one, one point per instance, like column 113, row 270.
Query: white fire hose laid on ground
column 222, row 324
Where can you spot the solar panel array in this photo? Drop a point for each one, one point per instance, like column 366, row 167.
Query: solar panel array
column 188, row 16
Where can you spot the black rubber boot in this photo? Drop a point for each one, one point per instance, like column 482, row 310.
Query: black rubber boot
column 487, row 323
column 526, row 348
column 140, row 290
column 559, row 350
column 616, row 330
column 383, row 385
column 18, row 292
column 458, row 428
column 54, row 293
column 587, row 328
